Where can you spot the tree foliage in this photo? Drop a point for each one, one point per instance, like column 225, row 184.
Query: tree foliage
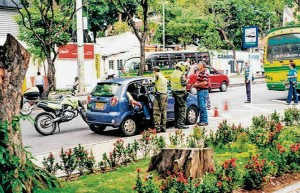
column 124, row 7
column 102, row 13
column 43, row 28
column 120, row 27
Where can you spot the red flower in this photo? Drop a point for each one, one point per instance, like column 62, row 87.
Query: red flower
column 50, row 155
column 138, row 170
column 219, row 183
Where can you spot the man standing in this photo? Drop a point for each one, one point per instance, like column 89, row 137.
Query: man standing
column 39, row 83
column 178, row 86
column 248, row 75
column 202, row 88
column 160, row 84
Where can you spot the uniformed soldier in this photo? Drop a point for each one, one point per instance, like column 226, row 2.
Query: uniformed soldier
column 160, row 84
column 178, row 86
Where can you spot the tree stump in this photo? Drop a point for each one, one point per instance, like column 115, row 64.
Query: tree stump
column 192, row 162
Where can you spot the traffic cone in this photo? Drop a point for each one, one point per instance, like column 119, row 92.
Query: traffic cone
column 216, row 112
column 226, row 106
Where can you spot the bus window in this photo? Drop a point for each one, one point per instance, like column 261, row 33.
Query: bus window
column 191, row 56
column 149, row 64
column 203, row 56
column 283, row 47
column 175, row 58
column 161, row 60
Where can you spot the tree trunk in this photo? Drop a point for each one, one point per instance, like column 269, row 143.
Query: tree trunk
column 193, row 162
column 15, row 66
column 142, row 66
column 233, row 49
column 51, row 75
column 235, row 62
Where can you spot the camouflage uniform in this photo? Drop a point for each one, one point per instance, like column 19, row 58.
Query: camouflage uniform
column 178, row 86
column 160, row 102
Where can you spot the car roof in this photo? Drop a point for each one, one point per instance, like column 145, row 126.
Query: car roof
column 124, row 80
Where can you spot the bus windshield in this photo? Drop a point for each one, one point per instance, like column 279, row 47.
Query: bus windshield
column 284, row 47
column 132, row 65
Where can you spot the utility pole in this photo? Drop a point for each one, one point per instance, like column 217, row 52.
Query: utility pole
column 164, row 43
column 80, row 50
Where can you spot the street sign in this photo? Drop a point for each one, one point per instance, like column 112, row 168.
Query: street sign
column 69, row 51
column 250, row 37
column 97, row 65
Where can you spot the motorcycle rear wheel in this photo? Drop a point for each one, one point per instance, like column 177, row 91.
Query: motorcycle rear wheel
column 42, row 124
column 26, row 108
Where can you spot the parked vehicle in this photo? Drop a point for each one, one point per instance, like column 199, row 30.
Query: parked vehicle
column 29, row 98
column 58, row 112
column 165, row 60
column 217, row 79
column 109, row 106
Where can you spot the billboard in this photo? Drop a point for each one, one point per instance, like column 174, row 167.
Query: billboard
column 69, row 51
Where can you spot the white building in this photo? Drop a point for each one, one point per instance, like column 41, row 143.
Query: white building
column 7, row 24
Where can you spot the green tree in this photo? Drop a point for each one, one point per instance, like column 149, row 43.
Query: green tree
column 43, row 27
column 141, row 34
column 120, row 27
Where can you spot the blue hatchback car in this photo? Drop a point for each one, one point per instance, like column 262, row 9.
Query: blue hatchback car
column 109, row 105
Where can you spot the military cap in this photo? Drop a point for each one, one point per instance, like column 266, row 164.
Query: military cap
column 156, row 68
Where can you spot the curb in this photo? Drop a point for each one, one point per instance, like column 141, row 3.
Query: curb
column 294, row 188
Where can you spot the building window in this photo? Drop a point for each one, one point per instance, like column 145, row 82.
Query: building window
column 120, row 64
column 111, row 64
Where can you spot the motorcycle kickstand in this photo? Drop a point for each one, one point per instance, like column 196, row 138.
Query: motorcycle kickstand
column 58, row 127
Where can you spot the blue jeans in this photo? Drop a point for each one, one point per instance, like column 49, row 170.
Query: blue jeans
column 202, row 96
column 292, row 93
column 144, row 109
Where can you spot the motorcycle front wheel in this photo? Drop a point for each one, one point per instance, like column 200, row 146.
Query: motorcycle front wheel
column 44, row 125
column 26, row 108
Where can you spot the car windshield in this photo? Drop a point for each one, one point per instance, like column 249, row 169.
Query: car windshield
column 106, row 89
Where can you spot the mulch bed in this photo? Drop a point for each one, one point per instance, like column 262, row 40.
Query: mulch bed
column 275, row 184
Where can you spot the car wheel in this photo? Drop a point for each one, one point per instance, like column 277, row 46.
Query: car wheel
column 97, row 128
column 191, row 115
column 128, row 126
column 223, row 87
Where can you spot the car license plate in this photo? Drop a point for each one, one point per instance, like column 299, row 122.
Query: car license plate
column 100, row 106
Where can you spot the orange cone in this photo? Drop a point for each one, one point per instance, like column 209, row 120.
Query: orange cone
column 216, row 112
column 226, row 106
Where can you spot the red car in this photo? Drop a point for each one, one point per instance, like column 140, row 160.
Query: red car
column 217, row 79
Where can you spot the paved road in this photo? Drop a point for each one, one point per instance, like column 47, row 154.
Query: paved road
column 77, row 132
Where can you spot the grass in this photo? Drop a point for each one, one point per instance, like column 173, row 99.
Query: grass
column 120, row 180
column 123, row 178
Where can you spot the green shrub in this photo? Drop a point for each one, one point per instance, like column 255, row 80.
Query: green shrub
column 291, row 116
column 18, row 175
column 293, row 158
column 257, row 172
column 68, row 161
column 50, row 165
column 228, row 176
